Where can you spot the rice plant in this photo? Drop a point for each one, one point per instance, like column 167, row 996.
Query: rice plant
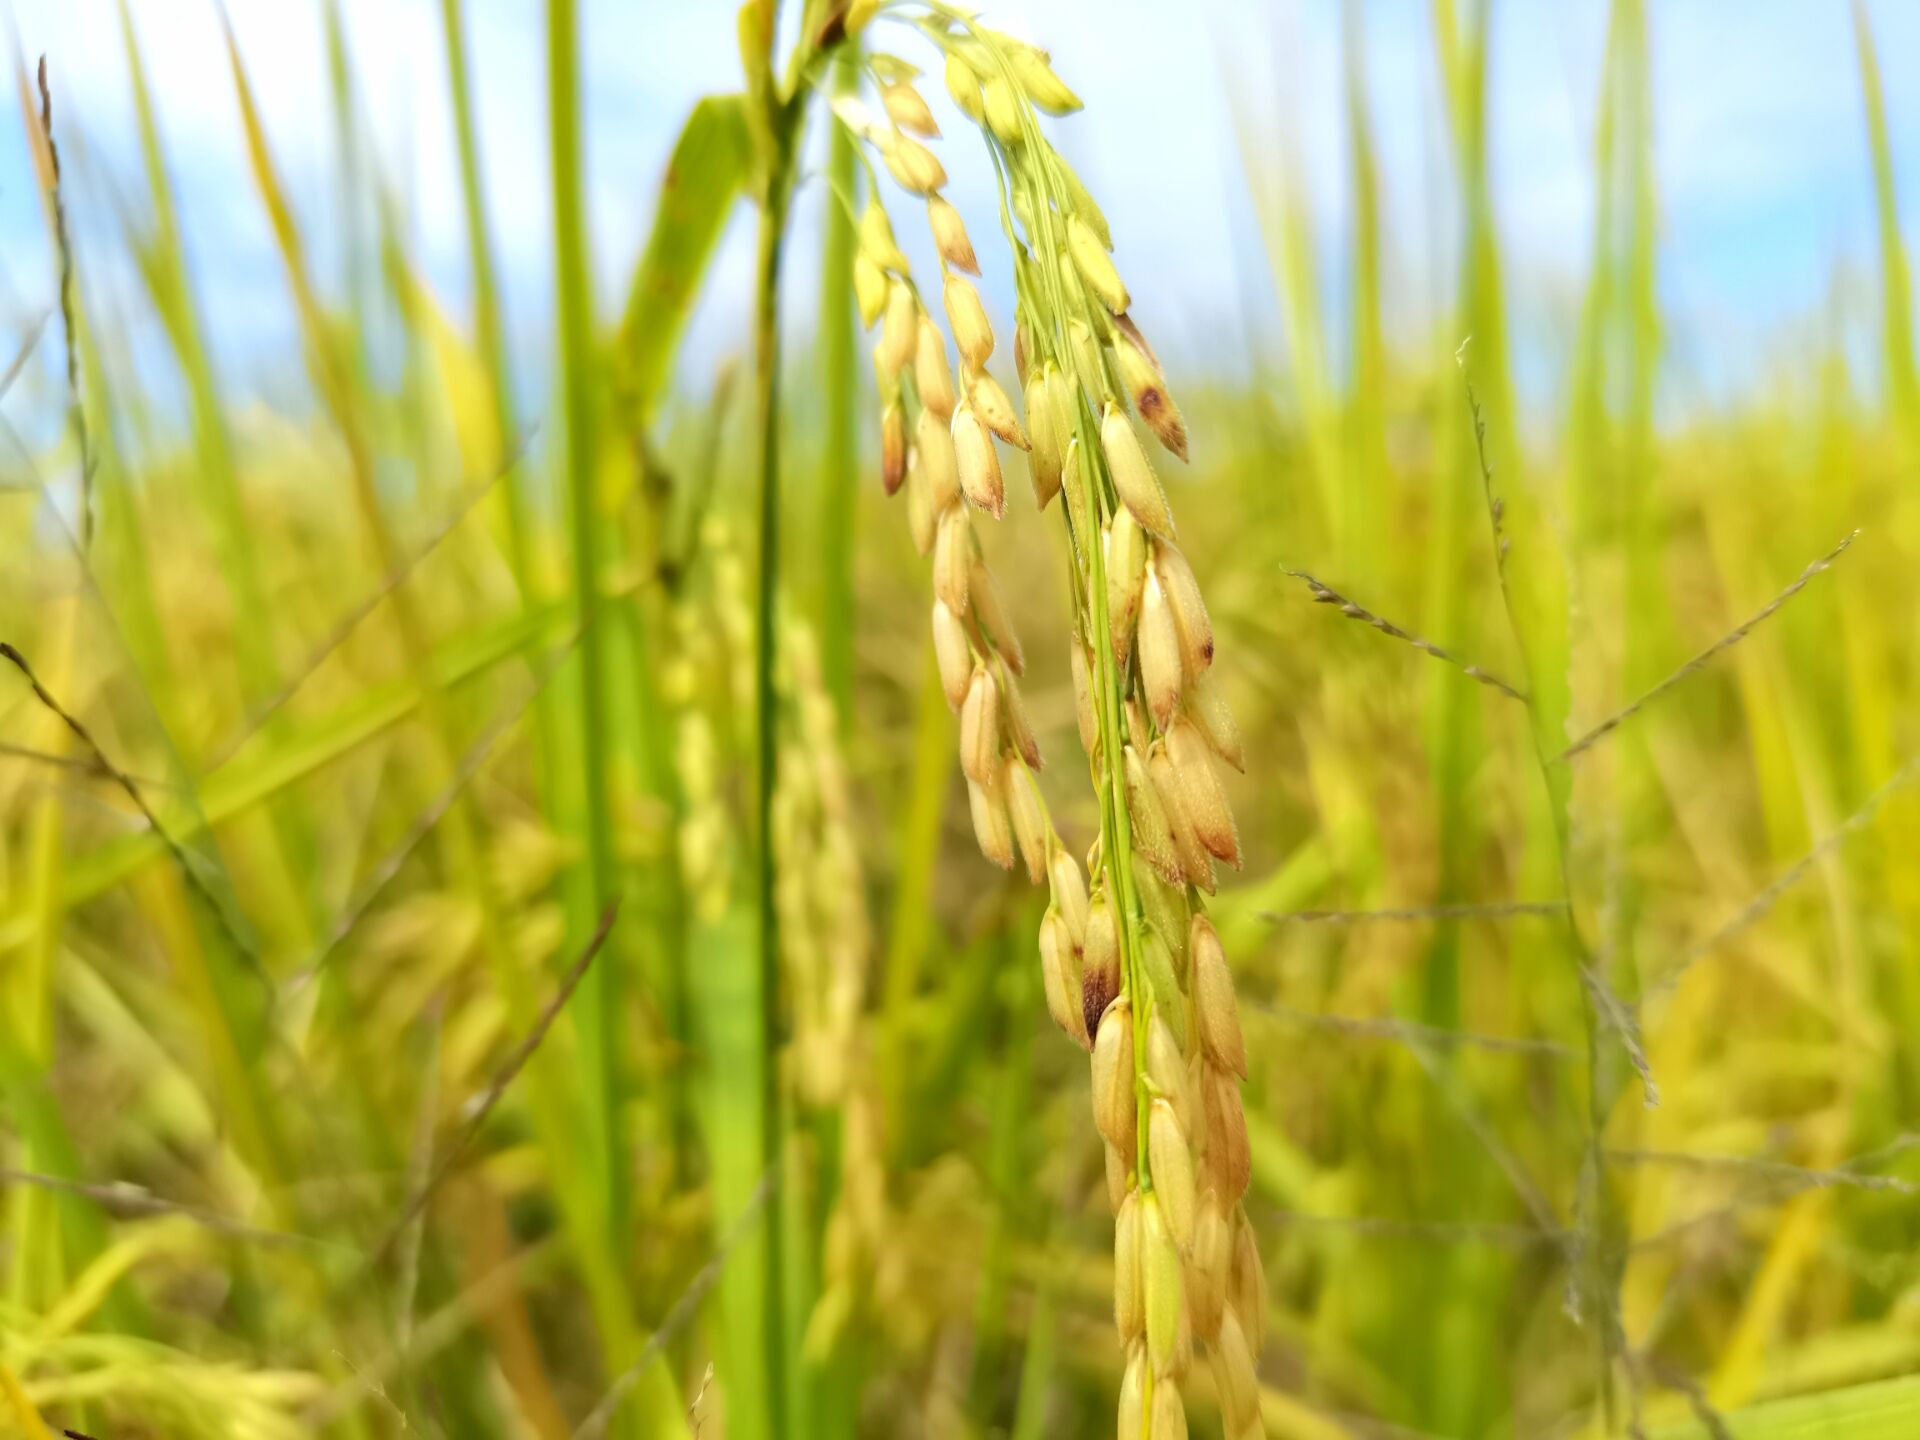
column 494, row 941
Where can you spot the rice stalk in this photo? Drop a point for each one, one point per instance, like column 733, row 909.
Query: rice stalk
column 1166, row 1050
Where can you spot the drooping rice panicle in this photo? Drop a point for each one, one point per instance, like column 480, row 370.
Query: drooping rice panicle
column 1133, row 970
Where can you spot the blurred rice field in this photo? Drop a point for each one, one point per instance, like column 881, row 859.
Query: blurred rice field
column 381, row 1028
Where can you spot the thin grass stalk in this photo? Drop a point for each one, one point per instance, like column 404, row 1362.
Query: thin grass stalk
column 1461, row 1392
column 578, row 379
column 214, row 471
column 1366, row 461
column 489, row 333
column 1896, row 295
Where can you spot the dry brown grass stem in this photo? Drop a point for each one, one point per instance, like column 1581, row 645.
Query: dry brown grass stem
column 435, row 1333
column 127, row 1200
column 503, row 1077
column 1619, row 1018
column 1756, row 909
column 1777, row 1183
column 1413, row 1032
column 1705, row 657
column 182, row 861
column 1673, row 1377
column 259, row 714
column 1324, row 594
column 1439, row 1232
column 683, row 1309
column 63, row 247
column 1801, row 1176
column 80, row 764
column 476, row 755
column 1419, row 914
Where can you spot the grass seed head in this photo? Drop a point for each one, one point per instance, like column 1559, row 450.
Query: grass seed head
column 991, row 827
column 964, row 86
column 1160, row 1285
column 934, row 441
column 1129, row 1299
column 1215, row 1005
column 869, row 290
column 908, row 110
column 952, row 557
column 979, row 465
column 1133, row 1395
column 1047, row 438
column 893, row 447
column 1081, row 665
column 1229, row 1161
column 950, row 235
column 930, row 373
column 1247, row 1283
column 914, row 167
column 1100, row 960
column 1169, row 1419
column 901, row 330
column 1147, row 389
column 991, row 616
column 1172, row 1162
column 967, row 319
column 876, row 239
column 1189, row 608
column 1166, row 1062
column 1152, row 835
column 1031, row 67
column 1080, row 337
column 1234, row 1377
column 922, row 519
column 1060, row 973
column 1195, row 862
column 1208, row 710
column 990, row 402
column 954, row 652
column 1069, row 894
column 1119, row 1170
column 1133, row 475
column 1019, row 728
column 1208, row 1260
column 1029, row 821
column 1096, row 267
column 1081, row 203
column 1206, row 804
column 1001, row 110
column 1158, row 640
column 1165, row 905
column 1073, row 483
column 980, row 728
column 1126, row 565
column 1114, row 1114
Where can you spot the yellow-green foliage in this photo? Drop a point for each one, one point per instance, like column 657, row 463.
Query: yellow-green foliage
column 411, row 703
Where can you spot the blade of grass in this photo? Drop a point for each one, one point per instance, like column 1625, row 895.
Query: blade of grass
column 579, row 385
column 1883, row 1410
column 1896, row 296
column 704, row 178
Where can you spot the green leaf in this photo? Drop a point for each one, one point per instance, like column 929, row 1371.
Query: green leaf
column 1884, row 1410
column 708, row 168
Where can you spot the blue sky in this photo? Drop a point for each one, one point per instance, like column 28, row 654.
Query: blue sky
column 1760, row 155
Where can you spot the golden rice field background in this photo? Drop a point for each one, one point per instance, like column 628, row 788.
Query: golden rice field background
column 384, row 1034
